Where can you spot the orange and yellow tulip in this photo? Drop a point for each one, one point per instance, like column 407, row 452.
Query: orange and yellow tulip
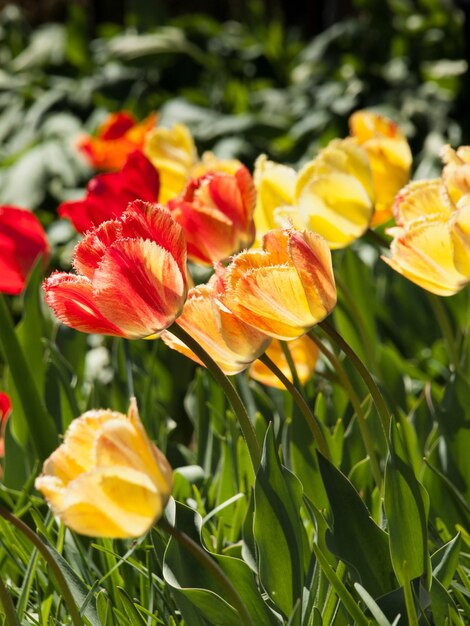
column 456, row 171
column 232, row 343
column 107, row 479
column 115, row 139
column 215, row 212
column 284, row 288
column 304, row 355
column 131, row 279
column 389, row 155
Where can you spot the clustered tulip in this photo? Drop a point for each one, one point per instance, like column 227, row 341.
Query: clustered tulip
column 107, row 479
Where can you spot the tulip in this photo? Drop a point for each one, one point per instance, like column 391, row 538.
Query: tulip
column 131, row 276
column 107, row 479
column 173, row 153
column 109, row 194
column 389, row 157
column 456, row 172
column 284, row 288
column 5, row 410
column 304, row 354
column 22, row 241
column 275, row 187
column 334, row 194
column 232, row 343
column 460, row 233
column 216, row 214
column 120, row 135
column 423, row 252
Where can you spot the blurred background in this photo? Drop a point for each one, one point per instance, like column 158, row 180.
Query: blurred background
column 247, row 76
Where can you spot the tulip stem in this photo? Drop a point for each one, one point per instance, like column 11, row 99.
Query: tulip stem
column 446, row 329
column 301, row 404
column 229, row 390
column 355, row 401
column 212, row 566
column 375, row 392
column 51, row 562
column 291, row 364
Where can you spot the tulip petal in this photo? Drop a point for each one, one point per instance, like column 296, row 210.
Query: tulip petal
column 461, row 237
column 73, row 301
column 139, row 286
column 422, row 199
column 89, row 252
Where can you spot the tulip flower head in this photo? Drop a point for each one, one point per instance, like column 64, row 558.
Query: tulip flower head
column 304, row 354
column 22, row 241
column 232, row 343
column 131, row 276
column 216, row 214
column 115, row 139
column 456, row 172
column 389, row 157
column 422, row 249
column 284, row 288
column 108, row 195
column 107, row 479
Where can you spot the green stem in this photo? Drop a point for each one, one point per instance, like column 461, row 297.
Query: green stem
column 291, row 364
column 341, row 590
column 446, row 329
column 379, row 401
column 47, row 556
column 374, row 237
column 212, row 566
column 8, row 606
column 361, row 418
column 41, row 426
column 230, row 391
column 301, row 403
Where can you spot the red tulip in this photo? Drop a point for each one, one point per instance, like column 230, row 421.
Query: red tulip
column 131, row 276
column 22, row 240
column 109, row 194
column 5, row 407
column 216, row 214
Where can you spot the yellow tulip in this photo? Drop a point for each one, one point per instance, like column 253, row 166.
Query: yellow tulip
column 173, row 153
column 275, row 187
column 334, row 194
column 460, row 232
column 422, row 199
column 304, row 354
column 107, row 479
column 389, row 156
column 456, row 172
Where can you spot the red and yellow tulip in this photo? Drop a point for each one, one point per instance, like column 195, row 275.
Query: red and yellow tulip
column 131, row 276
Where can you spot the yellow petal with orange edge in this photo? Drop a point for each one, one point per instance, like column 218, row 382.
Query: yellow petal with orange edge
column 273, row 300
column 304, row 354
column 422, row 199
column 423, row 253
column 460, row 232
column 456, row 173
column 275, row 186
column 173, row 153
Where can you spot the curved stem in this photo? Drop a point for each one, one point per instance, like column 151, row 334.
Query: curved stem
column 212, row 566
column 446, row 329
column 47, row 556
column 379, row 401
column 301, row 403
column 229, row 390
column 291, row 364
column 355, row 401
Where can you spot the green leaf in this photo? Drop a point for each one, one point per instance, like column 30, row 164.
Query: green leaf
column 132, row 613
column 442, row 604
column 354, row 536
column 278, row 529
column 406, row 508
column 445, row 560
